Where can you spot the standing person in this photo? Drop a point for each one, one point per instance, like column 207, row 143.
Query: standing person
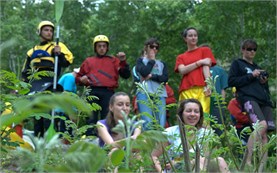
column 194, row 66
column 152, row 73
column 119, row 102
column 190, row 112
column 101, row 74
column 67, row 81
column 220, row 85
column 251, row 83
column 41, row 58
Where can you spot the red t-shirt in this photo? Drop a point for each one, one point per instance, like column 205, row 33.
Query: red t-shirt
column 195, row 77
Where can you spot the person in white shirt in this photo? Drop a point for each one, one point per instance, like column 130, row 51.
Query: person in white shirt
column 191, row 114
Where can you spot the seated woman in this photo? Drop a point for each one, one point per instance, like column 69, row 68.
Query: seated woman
column 191, row 113
column 119, row 102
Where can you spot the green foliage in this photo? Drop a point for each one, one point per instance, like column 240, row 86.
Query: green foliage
column 117, row 157
column 37, row 160
column 6, row 143
column 128, row 24
column 153, row 101
column 82, row 157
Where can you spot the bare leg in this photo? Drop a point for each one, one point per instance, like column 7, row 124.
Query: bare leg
column 223, row 165
column 257, row 136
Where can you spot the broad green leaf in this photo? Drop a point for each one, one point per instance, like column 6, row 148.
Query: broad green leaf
column 50, row 132
column 83, row 157
column 117, row 157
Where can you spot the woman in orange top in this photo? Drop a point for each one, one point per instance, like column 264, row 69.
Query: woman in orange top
column 194, row 66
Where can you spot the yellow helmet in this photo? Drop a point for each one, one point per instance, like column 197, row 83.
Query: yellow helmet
column 234, row 90
column 44, row 23
column 100, row 38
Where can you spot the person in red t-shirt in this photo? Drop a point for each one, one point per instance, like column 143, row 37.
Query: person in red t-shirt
column 194, row 66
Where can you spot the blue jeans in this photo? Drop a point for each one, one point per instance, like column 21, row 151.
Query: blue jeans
column 159, row 115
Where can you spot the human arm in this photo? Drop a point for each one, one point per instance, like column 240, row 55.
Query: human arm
column 64, row 54
column 156, row 153
column 124, row 68
column 206, row 73
column 185, row 69
column 26, row 69
column 239, row 78
column 223, row 93
column 104, row 134
column 163, row 78
column 137, row 132
column 144, row 70
column 81, row 77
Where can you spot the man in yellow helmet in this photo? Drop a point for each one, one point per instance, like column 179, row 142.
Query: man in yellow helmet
column 42, row 58
column 101, row 73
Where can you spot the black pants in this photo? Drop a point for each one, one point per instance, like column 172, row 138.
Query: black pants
column 215, row 112
column 41, row 126
column 104, row 94
column 60, row 124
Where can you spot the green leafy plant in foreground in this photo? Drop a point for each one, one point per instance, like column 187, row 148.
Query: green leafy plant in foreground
column 80, row 155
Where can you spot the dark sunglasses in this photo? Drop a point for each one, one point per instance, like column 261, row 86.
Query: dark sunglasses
column 153, row 46
column 250, row 49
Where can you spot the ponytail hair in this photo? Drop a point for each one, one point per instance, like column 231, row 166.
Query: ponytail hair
column 110, row 116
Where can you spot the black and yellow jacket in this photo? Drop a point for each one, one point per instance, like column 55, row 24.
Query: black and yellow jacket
column 42, row 58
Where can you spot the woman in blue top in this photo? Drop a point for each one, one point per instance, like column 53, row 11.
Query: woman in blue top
column 152, row 73
column 119, row 102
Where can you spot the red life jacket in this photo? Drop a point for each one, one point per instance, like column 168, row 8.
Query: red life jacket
column 102, row 72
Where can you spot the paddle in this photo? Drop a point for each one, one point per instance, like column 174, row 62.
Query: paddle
column 59, row 4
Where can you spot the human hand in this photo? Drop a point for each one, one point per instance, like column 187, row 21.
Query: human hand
column 263, row 80
column 256, row 73
column 168, row 166
column 121, row 56
column 147, row 77
column 207, row 91
column 57, row 50
column 263, row 76
column 205, row 61
column 84, row 79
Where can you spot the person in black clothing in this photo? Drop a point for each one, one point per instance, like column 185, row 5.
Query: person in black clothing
column 101, row 74
column 253, row 94
column 41, row 58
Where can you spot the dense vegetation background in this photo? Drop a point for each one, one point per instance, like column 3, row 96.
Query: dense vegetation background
column 128, row 23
